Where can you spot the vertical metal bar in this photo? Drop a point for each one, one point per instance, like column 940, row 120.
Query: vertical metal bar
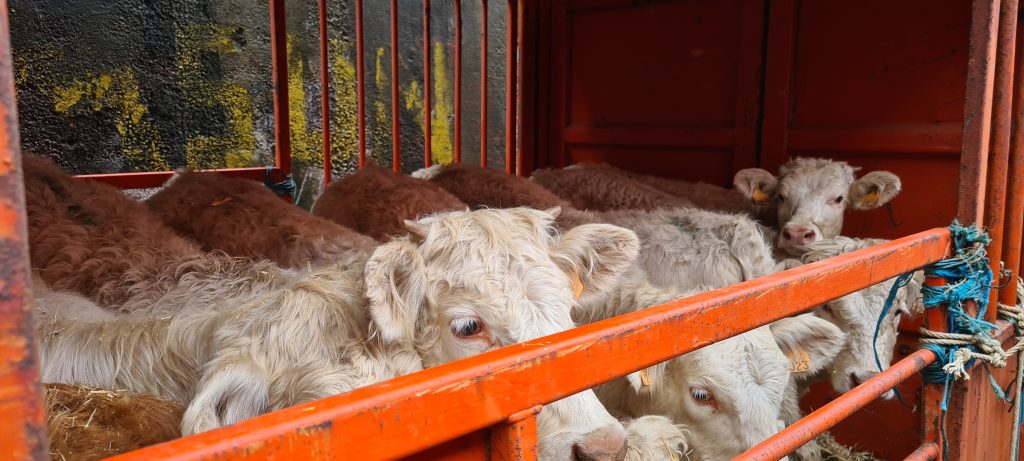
column 279, row 56
column 483, row 83
column 22, row 424
column 510, row 86
column 361, row 83
column 999, row 151
column 426, row 84
column 932, row 394
column 1015, row 201
column 520, row 20
column 325, row 95
column 396, row 160
column 978, row 111
column 516, row 439
column 458, row 82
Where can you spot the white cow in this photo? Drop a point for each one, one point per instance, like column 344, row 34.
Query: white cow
column 462, row 283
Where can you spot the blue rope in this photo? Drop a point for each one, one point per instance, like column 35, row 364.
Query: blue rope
column 969, row 278
column 286, row 187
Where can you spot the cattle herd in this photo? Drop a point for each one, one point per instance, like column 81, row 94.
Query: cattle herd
column 214, row 301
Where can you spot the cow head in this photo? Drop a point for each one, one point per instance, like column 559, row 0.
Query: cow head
column 858, row 313
column 812, row 195
column 464, row 283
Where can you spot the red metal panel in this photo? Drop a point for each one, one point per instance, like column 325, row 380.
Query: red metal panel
column 978, row 111
column 396, row 160
column 279, row 55
column 361, row 82
column 325, row 94
column 999, row 151
column 458, row 83
column 427, row 156
column 749, row 77
column 445, row 402
column 483, row 83
column 22, row 424
column 812, row 425
column 158, row 178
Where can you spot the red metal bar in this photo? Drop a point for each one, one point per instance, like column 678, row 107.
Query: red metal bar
column 325, row 95
column 1015, row 200
column 999, row 152
column 516, row 439
column 925, row 452
column 520, row 24
column 510, row 86
column 361, row 82
column 426, row 84
column 279, row 56
column 978, row 111
column 932, row 395
column 458, row 82
column 396, row 160
column 812, row 425
column 158, row 178
column 487, row 389
column 22, row 423
column 483, row 83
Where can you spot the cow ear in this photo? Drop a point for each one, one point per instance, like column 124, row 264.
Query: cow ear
column 810, row 342
column 396, row 288
column 756, row 184
column 913, row 293
column 595, row 256
column 874, row 190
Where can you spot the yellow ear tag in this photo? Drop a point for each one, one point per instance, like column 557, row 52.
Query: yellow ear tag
column 800, row 361
column 645, row 378
column 759, row 196
column 577, row 286
column 871, row 199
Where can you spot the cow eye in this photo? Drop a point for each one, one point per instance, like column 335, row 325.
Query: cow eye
column 782, row 198
column 701, row 395
column 466, row 327
column 838, row 200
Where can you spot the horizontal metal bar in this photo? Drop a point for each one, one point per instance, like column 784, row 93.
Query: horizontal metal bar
column 926, row 452
column 444, row 402
column 158, row 178
column 814, row 424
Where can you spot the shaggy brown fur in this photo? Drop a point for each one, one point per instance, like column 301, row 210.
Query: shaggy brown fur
column 243, row 218
column 90, row 238
column 601, row 190
column 495, row 189
column 86, row 423
column 375, row 201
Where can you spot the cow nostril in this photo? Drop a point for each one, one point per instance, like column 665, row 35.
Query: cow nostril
column 809, row 235
column 786, row 235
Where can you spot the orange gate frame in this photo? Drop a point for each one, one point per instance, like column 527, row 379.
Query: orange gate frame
column 489, row 403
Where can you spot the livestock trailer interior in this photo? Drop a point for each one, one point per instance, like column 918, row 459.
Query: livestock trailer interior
column 693, row 90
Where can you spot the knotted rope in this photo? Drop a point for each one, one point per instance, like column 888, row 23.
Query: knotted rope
column 1015, row 315
column 285, row 187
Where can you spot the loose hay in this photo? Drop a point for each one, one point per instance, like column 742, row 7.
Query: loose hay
column 832, row 450
column 86, row 423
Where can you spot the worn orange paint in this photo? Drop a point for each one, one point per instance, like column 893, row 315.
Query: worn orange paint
column 808, row 428
column 408, row 414
column 516, row 439
column 925, row 452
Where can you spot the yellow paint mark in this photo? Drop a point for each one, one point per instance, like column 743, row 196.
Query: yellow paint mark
column 344, row 123
column 119, row 92
column 440, row 133
column 236, row 148
column 305, row 145
column 381, row 112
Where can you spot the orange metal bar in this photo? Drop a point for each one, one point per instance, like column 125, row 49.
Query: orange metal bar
column 812, row 425
column 484, row 390
column 361, row 83
column 978, row 111
column 458, row 83
column 520, row 21
column 999, row 152
column 510, row 86
column 483, row 83
column 932, row 395
column 22, row 424
column 1015, row 200
column 926, row 452
column 158, row 178
column 426, row 84
column 396, row 160
column 279, row 56
column 516, row 439
column 325, row 94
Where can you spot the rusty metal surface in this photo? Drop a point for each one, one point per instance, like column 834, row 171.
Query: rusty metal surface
column 279, row 55
column 1015, row 188
column 999, row 151
column 486, row 389
column 22, row 425
column 426, row 84
column 457, row 153
column 931, row 394
column 927, row 452
column 325, row 96
column 978, row 111
column 812, row 425
column 516, row 439
column 483, row 83
column 395, row 144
